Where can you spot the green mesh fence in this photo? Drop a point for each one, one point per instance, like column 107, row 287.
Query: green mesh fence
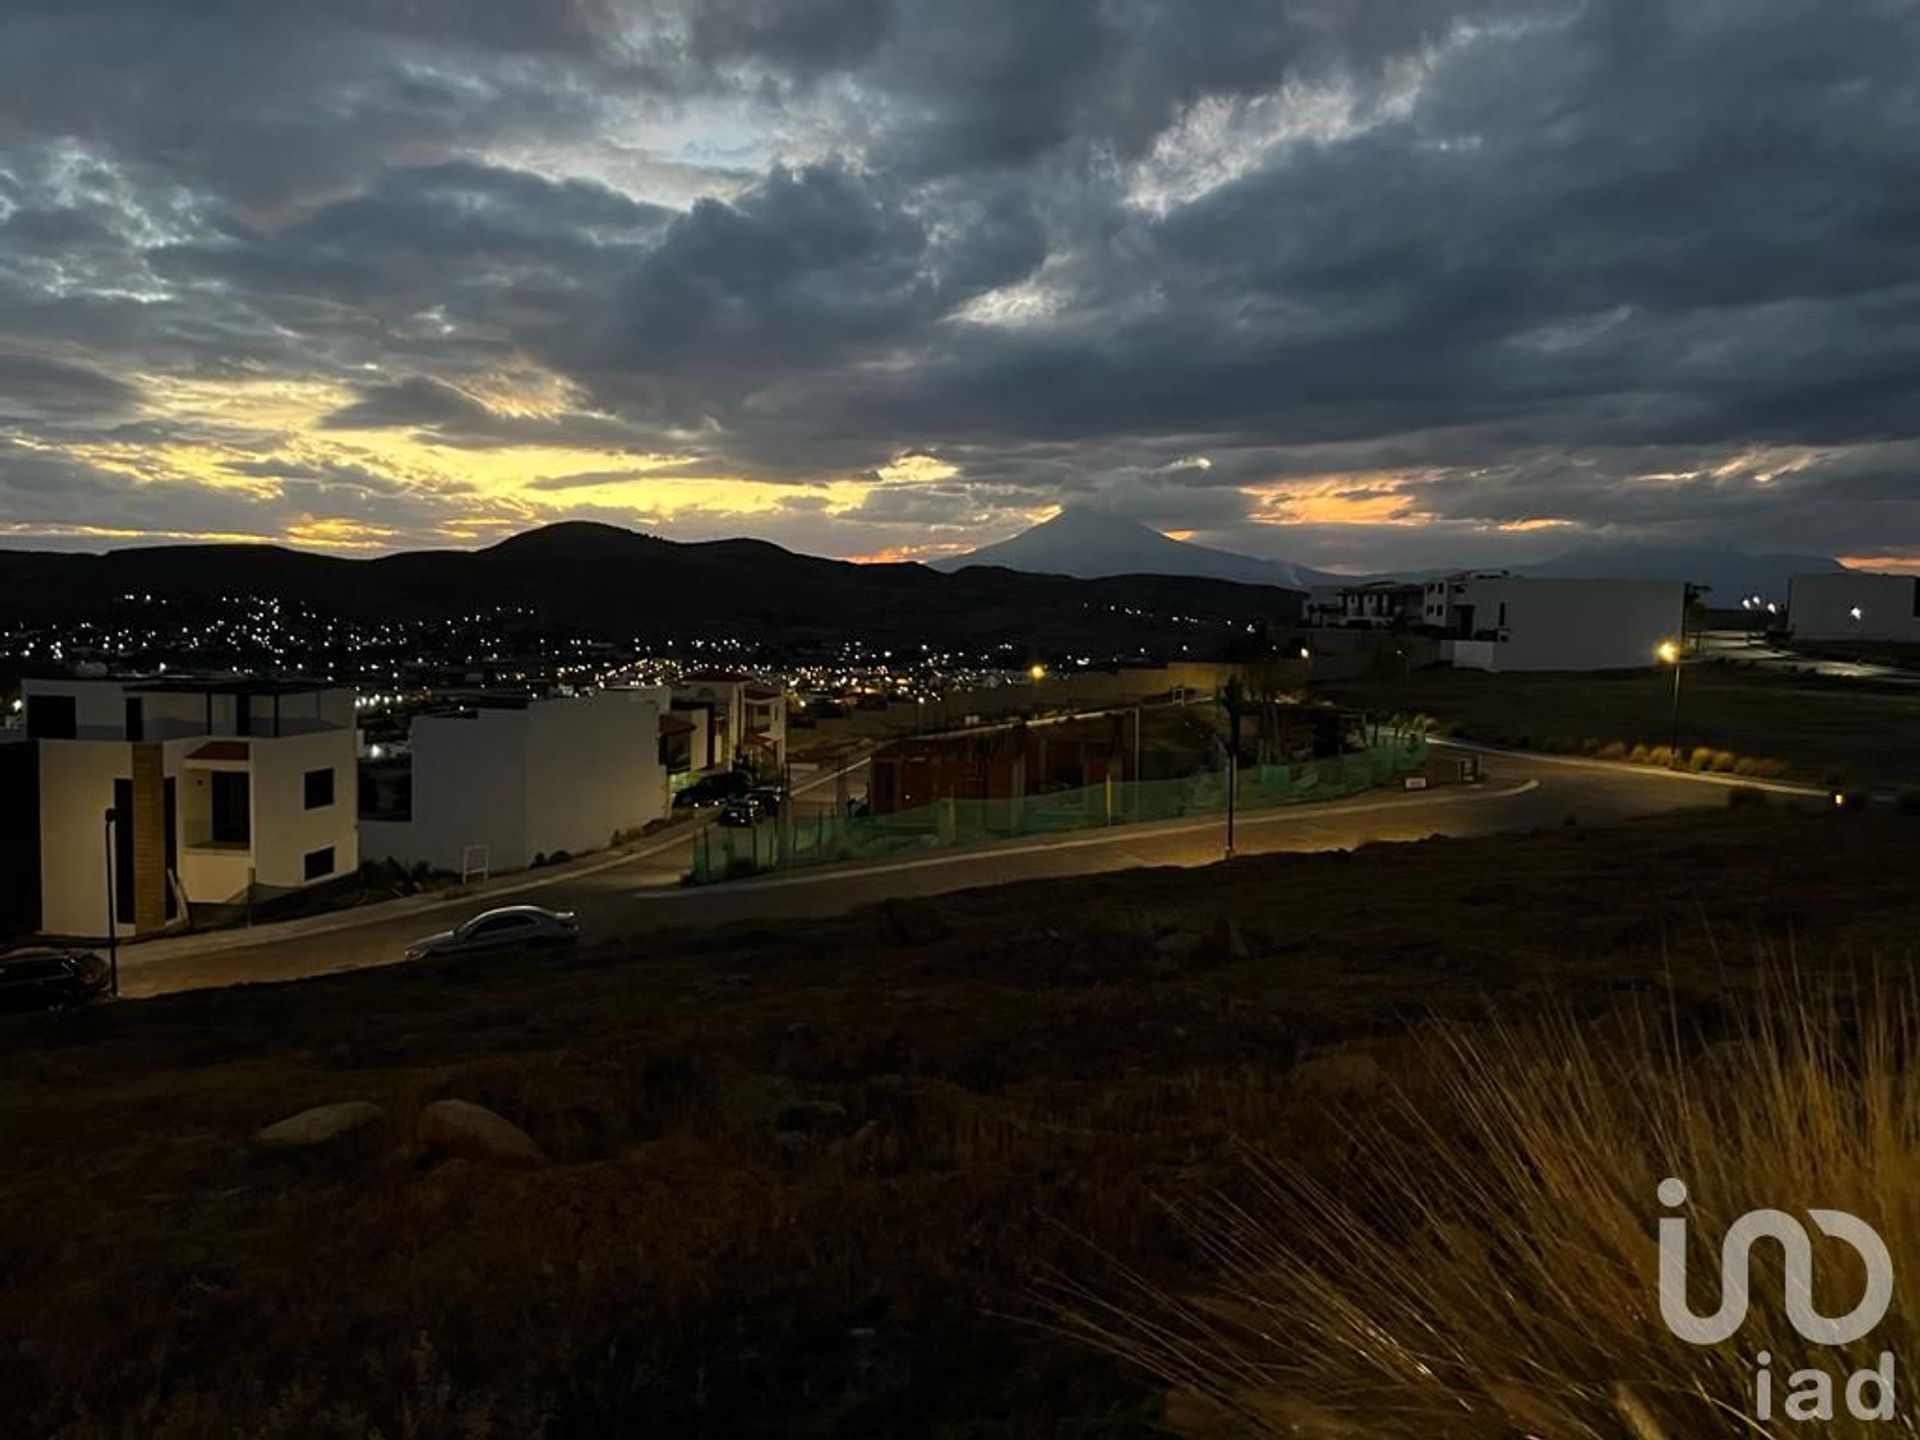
column 823, row 838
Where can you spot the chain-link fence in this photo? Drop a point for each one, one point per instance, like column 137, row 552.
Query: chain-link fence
column 824, row 837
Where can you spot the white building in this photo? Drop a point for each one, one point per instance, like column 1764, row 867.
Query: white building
column 1854, row 605
column 496, row 783
column 743, row 719
column 222, row 791
column 1495, row 621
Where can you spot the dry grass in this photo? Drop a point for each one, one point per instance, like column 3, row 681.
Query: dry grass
column 1486, row 1265
column 1011, row 1099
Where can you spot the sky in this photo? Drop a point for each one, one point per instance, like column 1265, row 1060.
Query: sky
column 1356, row 283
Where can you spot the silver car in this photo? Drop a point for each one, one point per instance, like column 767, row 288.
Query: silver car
column 510, row 927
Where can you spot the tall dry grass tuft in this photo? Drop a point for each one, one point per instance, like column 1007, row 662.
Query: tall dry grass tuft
column 1485, row 1262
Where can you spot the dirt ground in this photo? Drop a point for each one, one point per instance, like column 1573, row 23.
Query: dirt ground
column 1827, row 730
column 812, row 1180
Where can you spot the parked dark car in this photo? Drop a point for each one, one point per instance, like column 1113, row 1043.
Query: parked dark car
column 747, row 810
column 716, row 789
column 51, row 979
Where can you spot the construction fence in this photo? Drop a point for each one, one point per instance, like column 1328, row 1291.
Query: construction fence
column 794, row 840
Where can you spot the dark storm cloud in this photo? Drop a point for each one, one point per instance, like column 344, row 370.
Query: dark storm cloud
column 1518, row 256
column 40, row 387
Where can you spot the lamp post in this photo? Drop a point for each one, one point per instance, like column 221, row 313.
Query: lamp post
column 1669, row 653
column 113, row 926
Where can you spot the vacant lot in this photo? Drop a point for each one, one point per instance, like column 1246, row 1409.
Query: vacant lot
column 1824, row 729
column 812, row 1180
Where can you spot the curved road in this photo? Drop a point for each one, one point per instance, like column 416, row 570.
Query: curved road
column 641, row 892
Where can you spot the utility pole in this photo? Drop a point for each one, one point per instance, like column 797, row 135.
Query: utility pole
column 1234, row 689
column 1138, row 794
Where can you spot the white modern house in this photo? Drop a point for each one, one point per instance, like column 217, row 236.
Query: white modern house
column 741, row 719
column 1854, row 605
column 219, row 791
column 496, row 781
column 1492, row 620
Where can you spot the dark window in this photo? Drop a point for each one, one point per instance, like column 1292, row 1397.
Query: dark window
column 1916, row 599
column 499, row 924
column 319, row 789
column 319, row 863
column 52, row 717
column 123, row 850
column 232, row 824
column 136, row 718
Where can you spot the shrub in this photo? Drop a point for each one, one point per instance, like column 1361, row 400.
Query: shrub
column 1701, row 758
column 1724, row 762
column 1484, row 1266
column 1640, row 755
column 1661, row 755
column 1612, row 750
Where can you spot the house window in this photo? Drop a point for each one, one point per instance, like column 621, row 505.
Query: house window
column 231, row 803
column 319, row 789
column 319, row 863
column 52, row 717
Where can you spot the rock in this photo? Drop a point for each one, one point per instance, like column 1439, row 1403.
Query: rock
column 322, row 1125
column 1228, row 940
column 1339, row 1074
column 910, row 922
column 472, row 1132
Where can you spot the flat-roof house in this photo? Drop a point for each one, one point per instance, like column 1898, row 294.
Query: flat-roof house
column 1381, row 603
column 1495, row 621
column 1854, row 605
column 744, row 720
column 496, row 781
column 221, row 790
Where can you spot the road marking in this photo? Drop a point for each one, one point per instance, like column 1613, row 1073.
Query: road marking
column 1118, row 835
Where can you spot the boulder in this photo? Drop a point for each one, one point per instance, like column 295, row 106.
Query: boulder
column 472, row 1132
column 322, row 1125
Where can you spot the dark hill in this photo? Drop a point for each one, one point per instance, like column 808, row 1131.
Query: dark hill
column 618, row 582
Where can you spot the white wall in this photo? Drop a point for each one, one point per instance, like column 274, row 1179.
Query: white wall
column 1570, row 624
column 1820, row 607
column 76, row 790
column 557, row 775
column 284, row 830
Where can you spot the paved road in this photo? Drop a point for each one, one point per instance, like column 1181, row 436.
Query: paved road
column 1737, row 645
column 643, row 894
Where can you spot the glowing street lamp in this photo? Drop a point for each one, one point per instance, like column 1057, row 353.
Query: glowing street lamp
column 1037, row 673
column 1668, row 653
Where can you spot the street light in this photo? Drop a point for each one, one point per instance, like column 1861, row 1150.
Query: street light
column 1037, row 673
column 1668, row 653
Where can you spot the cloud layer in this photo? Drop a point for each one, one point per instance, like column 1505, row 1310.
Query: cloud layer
column 1378, row 282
